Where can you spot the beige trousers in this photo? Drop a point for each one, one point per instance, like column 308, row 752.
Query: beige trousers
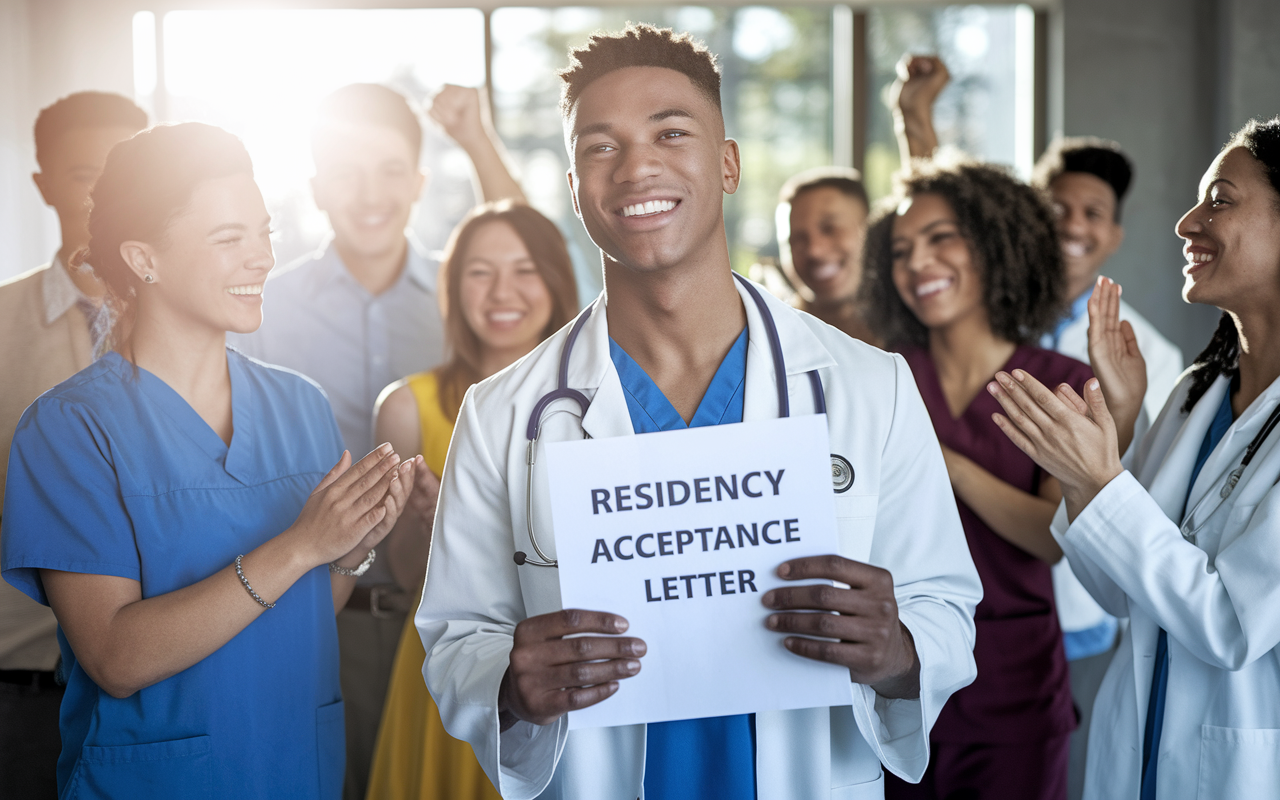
column 367, row 651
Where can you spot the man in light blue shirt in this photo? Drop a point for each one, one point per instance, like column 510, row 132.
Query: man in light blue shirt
column 363, row 313
column 1087, row 179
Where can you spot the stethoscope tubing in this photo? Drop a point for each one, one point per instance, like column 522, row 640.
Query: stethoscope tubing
column 533, row 430
column 1190, row 528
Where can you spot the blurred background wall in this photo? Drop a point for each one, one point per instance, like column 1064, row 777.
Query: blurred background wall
column 1168, row 79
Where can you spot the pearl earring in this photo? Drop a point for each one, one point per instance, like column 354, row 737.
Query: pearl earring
column 149, row 278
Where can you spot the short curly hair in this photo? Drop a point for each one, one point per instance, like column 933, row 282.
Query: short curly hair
column 639, row 45
column 1010, row 231
column 1100, row 158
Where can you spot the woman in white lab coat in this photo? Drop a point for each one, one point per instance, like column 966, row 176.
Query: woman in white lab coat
column 1186, row 543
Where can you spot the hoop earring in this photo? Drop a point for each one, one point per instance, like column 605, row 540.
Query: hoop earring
column 149, row 278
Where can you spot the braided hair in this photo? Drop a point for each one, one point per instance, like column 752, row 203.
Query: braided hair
column 1222, row 355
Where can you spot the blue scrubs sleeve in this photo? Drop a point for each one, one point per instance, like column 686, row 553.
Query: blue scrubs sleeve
column 64, row 508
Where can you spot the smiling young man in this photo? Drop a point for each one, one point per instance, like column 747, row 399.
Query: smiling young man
column 362, row 314
column 822, row 224
column 1087, row 180
column 676, row 341
column 46, row 336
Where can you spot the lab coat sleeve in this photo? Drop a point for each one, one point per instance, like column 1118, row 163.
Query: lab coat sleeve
column 1104, row 591
column 1223, row 613
column 470, row 607
column 918, row 538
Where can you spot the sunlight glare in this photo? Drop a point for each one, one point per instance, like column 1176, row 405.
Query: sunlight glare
column 260, row 74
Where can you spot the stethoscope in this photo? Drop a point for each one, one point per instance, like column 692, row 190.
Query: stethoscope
column 841, row 470
column 1199, row 517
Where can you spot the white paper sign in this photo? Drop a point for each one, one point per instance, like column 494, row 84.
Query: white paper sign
column 681, row 533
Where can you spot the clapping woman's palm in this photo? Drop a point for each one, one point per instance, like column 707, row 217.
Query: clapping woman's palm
column 1116, row 359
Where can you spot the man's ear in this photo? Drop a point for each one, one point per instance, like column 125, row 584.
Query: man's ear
column 39, row 179
column 573, row 195
column 139, row 257
column 731, row 166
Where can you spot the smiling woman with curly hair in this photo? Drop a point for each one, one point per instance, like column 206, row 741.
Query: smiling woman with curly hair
column 1005, row 222
column 962, row 274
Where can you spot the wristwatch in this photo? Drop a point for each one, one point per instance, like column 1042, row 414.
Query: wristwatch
column 358, row 571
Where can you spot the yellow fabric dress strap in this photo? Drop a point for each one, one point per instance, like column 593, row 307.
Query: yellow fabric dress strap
column 415, row 758
column 437, row 429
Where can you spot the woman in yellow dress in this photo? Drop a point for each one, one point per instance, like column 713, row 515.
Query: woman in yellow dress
column 506, row 283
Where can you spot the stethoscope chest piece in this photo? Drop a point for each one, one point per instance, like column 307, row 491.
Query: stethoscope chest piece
column 841, row 473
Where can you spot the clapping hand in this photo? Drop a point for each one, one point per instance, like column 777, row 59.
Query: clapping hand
column 1072, row 438
column 1116, row 359
column 354, row 506
column 422, row 501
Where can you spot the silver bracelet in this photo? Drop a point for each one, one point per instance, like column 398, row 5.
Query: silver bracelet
column 358, row 571
column 248, row 588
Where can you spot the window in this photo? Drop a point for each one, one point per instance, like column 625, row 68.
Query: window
column 790, row 88
column 260, row 75
column 984, row 110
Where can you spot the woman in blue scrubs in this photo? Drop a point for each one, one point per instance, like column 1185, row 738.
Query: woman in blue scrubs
column 179, row 507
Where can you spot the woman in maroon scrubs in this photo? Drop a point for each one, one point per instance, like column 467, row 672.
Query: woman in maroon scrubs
column 962, row 276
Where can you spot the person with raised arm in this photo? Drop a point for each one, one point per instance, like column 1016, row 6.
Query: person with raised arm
column 676, row 341
column 962, row 275
column 190, row 514
column 362, row 313
column 1085, row 181
column 1181, row 536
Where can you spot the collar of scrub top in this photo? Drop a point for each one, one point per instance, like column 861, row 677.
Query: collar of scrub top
column 563, row 392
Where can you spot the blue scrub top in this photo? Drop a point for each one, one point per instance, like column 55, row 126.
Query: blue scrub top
column 113, row 473
column 694, row 759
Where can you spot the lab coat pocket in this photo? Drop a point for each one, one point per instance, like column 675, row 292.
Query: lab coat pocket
column 1238, row 762
column 178, row 769
column 855, row 524
column 860, row 791
column 331, row 750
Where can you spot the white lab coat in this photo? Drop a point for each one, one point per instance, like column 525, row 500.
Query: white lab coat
column 1077, row 611
column 1219, row 600
column 475, row 594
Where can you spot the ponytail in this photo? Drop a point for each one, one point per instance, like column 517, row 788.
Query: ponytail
column 1220, row 357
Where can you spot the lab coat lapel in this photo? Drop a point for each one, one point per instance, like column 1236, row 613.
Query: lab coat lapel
column 1169, row 490
column 802, row 353
column 591, row 370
